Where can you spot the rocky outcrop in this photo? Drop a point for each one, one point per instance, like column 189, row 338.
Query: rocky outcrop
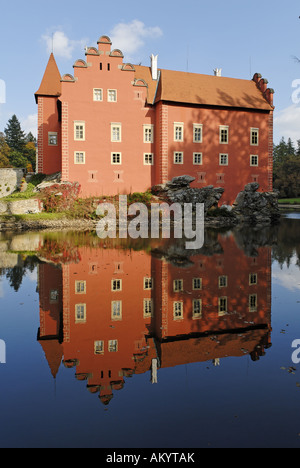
column 256, row 208
column 178, row 190
column 48, row 181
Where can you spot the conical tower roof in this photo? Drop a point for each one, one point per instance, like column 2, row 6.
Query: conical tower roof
column 51, row 84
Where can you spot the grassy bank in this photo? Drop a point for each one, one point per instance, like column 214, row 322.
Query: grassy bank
column 289, row 201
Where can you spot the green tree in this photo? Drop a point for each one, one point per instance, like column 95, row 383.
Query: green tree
column 4, row 152
column 14, row 135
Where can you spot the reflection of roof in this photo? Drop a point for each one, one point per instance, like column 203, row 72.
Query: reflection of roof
column 194, row 88
column 53, row 352
column 50, row 85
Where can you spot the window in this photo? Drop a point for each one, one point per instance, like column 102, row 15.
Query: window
column 177, row 310
column 112, row 346
column 148, row 159
column 80, row 287
column 224, row 134
column 79, row 157
column 116, row 158
column 223, row 281
column 54, row 296
column 178, row 157
column 98, row 94
column 98, row 347
column 148, row 283
column 253, row 160
column 116, row 285
column 116, row 132
column 222, row 305
column 223, row 159
column 116, row 310
column 197, row 158
column 52, row 139
column 80, row 313
column 112, row 95
column 178, row 132
column 197, row 308
column 148, row 133
column 178, row 285
column 148, row 308
column 79, row 131
column 197, row 133
column 252, row 279
column 197, row 284
column 254, row 136
column 252, row 302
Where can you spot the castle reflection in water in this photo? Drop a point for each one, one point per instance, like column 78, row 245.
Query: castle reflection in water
column 112, row 312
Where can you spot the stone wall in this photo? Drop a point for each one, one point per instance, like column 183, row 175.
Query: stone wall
column 20, row 207
column 10, row 180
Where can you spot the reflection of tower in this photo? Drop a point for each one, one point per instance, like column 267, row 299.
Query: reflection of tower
column 50, row 331
column 121, row 312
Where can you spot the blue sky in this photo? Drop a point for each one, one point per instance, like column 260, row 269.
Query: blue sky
column 195, row 35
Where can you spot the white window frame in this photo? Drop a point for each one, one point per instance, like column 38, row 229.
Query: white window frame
column 148, row 159
column 254, row 135
column 223, row 281
column 116, row 284
column 75, row 157
column 178, row 285
column 80, row 313
column 178, row 131
column 112, row 93
column 98, row 347
column 148, row 133
column 195, row 285
column 197, row 308
column 77, row 131
column 52, row 135
column 178, row 310
column 252, row 163
column 253, row 279
column 148, row 308
column 195, row 161
column 116, row 131
column 113, row 346
column 196, row 128
column 222, row 305
column 97, row 93
column 223, row 128
column 176, row 155
column 112, row 158
column 80, row 287
column 148, row 283
column 221, row 162
column 252, row 302
column 116, row 310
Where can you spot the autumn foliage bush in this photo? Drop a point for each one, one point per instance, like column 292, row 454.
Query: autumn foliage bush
column 60, row 197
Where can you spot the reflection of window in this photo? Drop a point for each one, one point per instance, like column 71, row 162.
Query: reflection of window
column 178, row 285
column 177, row 310
column 148, row 308
column 116, row 285
column 80, row 287
column 222, row 305
column 223, row 159
column 253, row 278
column 222, row 281
column 99, row 347
column 116, row 310
column 148, row 159
column 253, row 302
column 112, row 346
column 197, row 308
column 197, row 283
column 79, row 157
column 116, row 132
column 54, row 295
column 148, row 283
column 80, row 313
column 52, row 138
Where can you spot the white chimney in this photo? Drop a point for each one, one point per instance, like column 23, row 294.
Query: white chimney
column 154, row 66
column 218, row 71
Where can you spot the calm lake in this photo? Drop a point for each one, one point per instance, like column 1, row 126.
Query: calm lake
column 145, row 345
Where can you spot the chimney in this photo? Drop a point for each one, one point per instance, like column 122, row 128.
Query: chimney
column 218, row 71
column 154, row 67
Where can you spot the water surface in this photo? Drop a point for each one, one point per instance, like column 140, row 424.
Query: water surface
column 141, row 344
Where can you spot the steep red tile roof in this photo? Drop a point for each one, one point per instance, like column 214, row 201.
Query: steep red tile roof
column 193, row 88
column 50, row 85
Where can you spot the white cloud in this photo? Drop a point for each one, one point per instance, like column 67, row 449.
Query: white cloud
column 287, row 123
column 61, row 45
column 29, row 124
column 130, row 37
column 289, row 278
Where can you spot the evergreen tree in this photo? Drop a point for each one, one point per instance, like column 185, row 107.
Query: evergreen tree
column 14, row 135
